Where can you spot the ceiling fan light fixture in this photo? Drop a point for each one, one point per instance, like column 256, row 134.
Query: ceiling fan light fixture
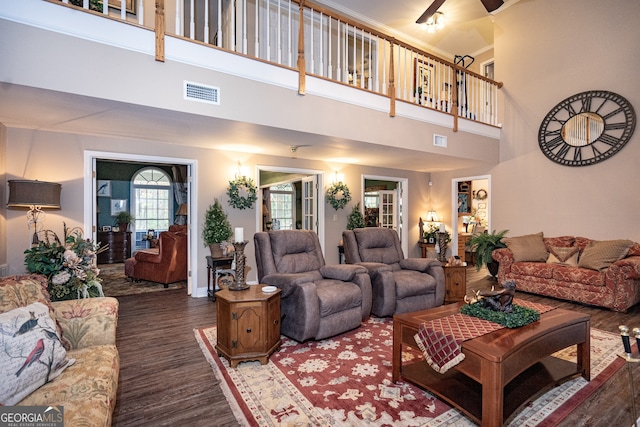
column 434, row 22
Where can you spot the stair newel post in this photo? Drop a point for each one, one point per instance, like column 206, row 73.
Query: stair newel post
column 301, row 62
column 160, row 29
column 392, row 81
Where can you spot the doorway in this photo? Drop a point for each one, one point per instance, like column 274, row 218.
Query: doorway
column 471, row 207
column 289, row 198
column 385, row 201
column 91, row 211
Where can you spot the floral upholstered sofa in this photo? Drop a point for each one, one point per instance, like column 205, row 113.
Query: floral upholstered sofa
column 58, row 353
column 600, row 273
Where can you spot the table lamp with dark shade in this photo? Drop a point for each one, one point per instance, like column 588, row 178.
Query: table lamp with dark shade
column 34, row 196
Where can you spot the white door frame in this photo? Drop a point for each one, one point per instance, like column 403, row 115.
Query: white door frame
column 403, row 200
column 192, row 222
column 320, row 206
column 454, row 206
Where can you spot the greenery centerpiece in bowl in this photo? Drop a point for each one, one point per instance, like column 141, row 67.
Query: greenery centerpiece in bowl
column 70, row 266
column 484, row 244
column 217, row 229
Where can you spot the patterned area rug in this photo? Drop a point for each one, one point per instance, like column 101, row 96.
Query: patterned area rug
column 116, row 284
column 346, row 381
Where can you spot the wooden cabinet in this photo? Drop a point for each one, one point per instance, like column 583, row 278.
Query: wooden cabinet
column 463, row 239
column 119, row 246
column 248, row 324
column 455, row 278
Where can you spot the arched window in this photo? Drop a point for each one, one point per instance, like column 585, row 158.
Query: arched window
column 152, row 202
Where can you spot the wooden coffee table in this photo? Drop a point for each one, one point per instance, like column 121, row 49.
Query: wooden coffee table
column 502, row 369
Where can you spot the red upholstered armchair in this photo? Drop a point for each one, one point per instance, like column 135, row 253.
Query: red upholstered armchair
column 167, row 264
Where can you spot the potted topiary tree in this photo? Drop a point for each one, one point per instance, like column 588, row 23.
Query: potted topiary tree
column 484, row 244
column 356, row 219
column 217, row 228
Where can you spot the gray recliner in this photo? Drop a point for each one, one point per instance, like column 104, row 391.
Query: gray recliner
column 399, row 284
column 317, row 300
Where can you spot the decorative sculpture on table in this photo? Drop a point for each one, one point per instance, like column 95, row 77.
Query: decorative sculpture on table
column 501, row 300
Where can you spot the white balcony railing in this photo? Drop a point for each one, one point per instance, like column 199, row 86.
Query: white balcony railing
column 327, row 45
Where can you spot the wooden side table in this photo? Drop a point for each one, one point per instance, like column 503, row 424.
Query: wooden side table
column 455, row 278
column 248, row 324
column 424, row 247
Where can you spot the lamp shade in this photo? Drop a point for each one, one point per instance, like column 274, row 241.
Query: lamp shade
column 183, row 209
column 25, row 194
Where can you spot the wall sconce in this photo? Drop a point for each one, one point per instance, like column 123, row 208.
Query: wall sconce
column 338, row 177
column 35, row 196
column 432, row 216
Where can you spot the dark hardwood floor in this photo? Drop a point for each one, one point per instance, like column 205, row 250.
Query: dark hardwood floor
column 165, row 379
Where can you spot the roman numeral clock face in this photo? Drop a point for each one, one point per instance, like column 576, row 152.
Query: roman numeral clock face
column 587, row 128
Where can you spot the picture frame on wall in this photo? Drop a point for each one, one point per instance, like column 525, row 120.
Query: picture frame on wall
column 104, row 188
column 130, row 5
column 117, row 206
column 422, row 80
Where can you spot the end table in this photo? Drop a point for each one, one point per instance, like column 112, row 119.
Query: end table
column 455, row 278
column 213, row 265
column 248, row 324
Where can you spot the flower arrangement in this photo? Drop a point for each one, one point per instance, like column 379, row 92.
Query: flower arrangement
column 338, row 195
column 71, row 268
column 242, row 193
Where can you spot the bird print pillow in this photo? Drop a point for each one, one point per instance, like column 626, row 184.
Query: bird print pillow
column 31, row 353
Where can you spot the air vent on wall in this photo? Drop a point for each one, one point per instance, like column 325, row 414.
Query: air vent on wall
column 201, row 93
column 439, row 140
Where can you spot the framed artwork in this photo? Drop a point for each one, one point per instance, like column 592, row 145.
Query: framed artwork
column 422, row 79
column 117, row 206
column 130, row 5
column 104, row 188
column 106, row 228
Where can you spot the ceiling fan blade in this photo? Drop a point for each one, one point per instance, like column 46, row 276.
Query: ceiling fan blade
column 492, row 5
column 430, row 11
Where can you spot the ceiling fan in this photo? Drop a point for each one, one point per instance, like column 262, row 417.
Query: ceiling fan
column 490, row 5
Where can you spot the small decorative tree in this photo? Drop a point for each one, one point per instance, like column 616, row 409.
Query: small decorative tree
column 356, row 219
column 216, row 229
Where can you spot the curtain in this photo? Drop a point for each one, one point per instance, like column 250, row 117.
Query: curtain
column 180, row 190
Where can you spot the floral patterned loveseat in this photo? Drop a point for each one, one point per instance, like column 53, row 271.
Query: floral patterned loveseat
column 600, row 273
column 72, row 344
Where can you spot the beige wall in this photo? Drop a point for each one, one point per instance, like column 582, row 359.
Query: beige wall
column 546, row 51
column 3, row 194
column 59, row 157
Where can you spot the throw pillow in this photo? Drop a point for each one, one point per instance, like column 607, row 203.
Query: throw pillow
column 527, row 248
column 32, row 354
column 22, row 290
column 562, row 255
column 599, row 255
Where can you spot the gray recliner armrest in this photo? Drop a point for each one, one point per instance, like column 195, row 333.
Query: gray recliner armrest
column 419, row 264
column 288, row 281
column 344, row 272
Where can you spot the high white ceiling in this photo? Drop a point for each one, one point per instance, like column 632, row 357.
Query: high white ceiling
column 468, row 30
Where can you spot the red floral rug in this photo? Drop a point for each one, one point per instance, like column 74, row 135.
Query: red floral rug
column 346, row 381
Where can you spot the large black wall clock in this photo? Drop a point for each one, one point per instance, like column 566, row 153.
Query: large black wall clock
column 587, row 128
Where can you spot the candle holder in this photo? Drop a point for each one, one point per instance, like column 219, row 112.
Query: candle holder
column 442, row 244
column 628, row 356
column 240, row 283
